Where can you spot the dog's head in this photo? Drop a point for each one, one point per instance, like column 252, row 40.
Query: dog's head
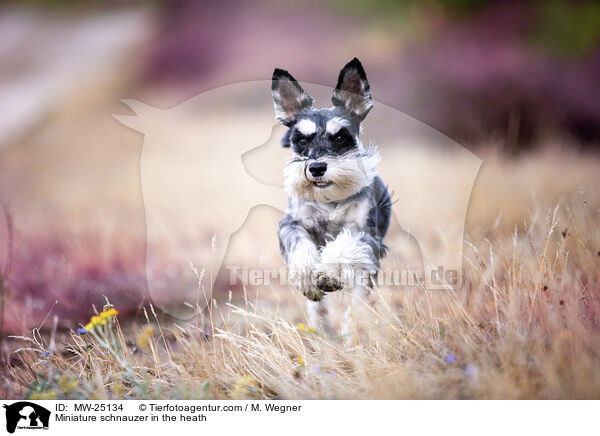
column 330, row 162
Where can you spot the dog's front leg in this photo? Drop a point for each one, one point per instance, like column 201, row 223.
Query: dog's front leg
column 346, row 261
column 349, row 261
column 357, row 313
column 318, row 316
column 301, row 256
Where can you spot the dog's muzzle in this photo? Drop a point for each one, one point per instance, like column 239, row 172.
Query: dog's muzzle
column 317, row 170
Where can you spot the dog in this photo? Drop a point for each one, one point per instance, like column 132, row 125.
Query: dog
column 331, row 236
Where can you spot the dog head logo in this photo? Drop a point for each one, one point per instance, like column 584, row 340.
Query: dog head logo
column 26, row 415
column 213, row 189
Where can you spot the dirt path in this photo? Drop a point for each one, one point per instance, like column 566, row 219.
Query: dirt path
column 47, row 60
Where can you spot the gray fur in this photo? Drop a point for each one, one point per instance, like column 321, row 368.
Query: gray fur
column 332, row 232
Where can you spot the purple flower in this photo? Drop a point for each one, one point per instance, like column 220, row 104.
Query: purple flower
column 81, row 331
column 450, row 359
column 45, row 353
column 471, row 370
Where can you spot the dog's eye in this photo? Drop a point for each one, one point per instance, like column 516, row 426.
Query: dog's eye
column 302, row 141
column 340, row 139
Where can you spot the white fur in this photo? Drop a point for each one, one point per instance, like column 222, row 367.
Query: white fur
column 287, row 112
column 359, row 104
column 304, row 259
column 351, row 215
column 280, row 113
column 302, row 264
column 306, row 127
column 343, row 258
column 348, row 173
column 359, row 144
column 358, row 309
column 346, row 254
column 334, row 125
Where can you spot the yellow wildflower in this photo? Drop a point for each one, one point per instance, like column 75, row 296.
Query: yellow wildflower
column 118, row 389
column 300, row 360
column 109, row 313
column 67, row 384
column 50, row 394
column 244, row 387
column 143, row 338
column 96, row 320
column 303, row 328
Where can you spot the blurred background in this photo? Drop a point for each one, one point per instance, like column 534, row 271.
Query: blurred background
column 508, row 78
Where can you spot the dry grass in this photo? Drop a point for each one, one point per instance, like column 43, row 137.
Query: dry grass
column 524, row 326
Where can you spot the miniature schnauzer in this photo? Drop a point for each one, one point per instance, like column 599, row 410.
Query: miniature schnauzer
column 331, row 236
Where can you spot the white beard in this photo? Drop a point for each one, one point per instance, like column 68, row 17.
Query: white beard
column 348, row 174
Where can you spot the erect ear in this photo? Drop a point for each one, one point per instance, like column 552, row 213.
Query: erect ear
column 352, row 91
column 288, row 96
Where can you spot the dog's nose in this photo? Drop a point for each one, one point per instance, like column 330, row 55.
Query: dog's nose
column 317, row 169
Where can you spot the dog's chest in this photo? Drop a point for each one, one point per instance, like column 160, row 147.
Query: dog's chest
column 329, row 219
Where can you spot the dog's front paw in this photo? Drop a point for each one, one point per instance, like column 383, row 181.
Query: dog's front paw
column 303, row 280
column 327, row 281
column 313, row 294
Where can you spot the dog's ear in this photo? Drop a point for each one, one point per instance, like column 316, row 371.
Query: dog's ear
column 352, row 91
column 288, row 97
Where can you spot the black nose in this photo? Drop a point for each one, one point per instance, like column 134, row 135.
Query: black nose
column 317, row 169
